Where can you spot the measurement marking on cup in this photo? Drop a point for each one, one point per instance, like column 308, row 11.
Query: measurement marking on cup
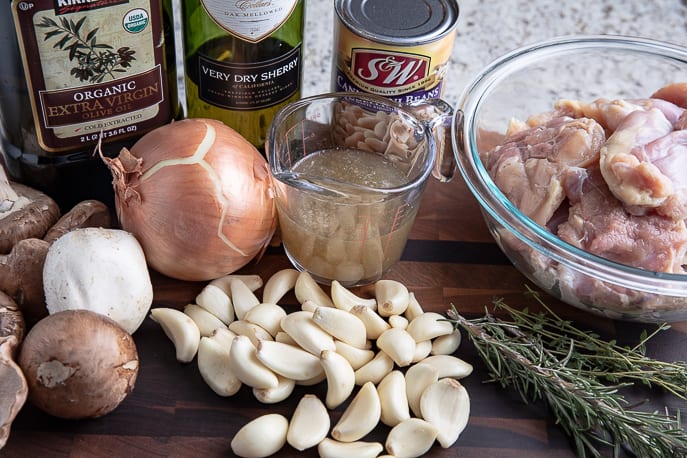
column 287, row 135
column 393, row 228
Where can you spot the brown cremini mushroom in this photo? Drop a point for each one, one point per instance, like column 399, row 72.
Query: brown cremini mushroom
column 21, row 271
column 21, row 277
column 87, row 213
column 78, row 364
column 13, row 386
column 24, row 213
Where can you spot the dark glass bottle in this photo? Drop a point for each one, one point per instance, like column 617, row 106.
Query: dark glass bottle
column 75, row 73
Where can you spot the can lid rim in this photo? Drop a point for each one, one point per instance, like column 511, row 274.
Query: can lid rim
column 440, row 19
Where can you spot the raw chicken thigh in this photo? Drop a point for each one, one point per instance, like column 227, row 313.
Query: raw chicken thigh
column 608, row 177
column 528, row 167
column 645, row 150
column 644, row 164
column 675, row 93
column 613, row 170
column 598, row 223
column 610, row 113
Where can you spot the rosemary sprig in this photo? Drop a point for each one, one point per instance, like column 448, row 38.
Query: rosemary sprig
column 544, row 357
column 595, row 357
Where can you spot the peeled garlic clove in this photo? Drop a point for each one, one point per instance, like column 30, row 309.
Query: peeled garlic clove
column 223, row 336
column 360, row 417
column 247, row 367
column 309, row 306
column 312, row 381
column 446, row 405
column 308, row 335
column 181, row 330
column 330, row 448
column 206, row 321
column 398, row 344
column 252, row 281
column 393, row 398
column 278, row 285
column 374, row 324
column 254, row 332
column 374, row 370
column 357, row 357
column 309, row 423
column 350, row 271
column 428, row 326
column 288, row 361
column 398, row 321
column 277, row 394
column 284, row 338
column 214, row 366
column 414, row 309
column 266, row 315
column 446, row 345
column 261, row 437
column 340, row 378
column 449, row 366
column 392, row 297
column 341, row 325
column 242, row 297
column 345, row 299
column 411, row 438
column 418, row 378
column 306, row 288
column 213, row 299
column 422, row 350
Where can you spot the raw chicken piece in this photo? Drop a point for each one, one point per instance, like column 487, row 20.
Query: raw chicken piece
column 611, row 113
column 608, row 113
column 672, row 112
column 674, row 92
column 528, row 166
column 599, row 223
column 643, row 163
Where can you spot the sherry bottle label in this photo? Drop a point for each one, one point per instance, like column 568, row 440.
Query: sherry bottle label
column 242, row 84
column 94, row 69
column 249, row 86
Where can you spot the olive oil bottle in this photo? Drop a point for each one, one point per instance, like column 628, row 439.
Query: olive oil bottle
column 242, row 61
column 76, row 74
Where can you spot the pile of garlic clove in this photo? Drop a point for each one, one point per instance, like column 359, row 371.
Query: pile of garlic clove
column 399, row 356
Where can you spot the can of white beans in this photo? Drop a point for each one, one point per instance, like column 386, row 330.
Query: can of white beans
column 398, row 49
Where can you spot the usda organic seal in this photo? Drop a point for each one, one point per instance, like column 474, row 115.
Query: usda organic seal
column 135, row 20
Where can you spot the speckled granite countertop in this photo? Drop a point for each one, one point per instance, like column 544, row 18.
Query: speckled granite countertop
column 489, row 29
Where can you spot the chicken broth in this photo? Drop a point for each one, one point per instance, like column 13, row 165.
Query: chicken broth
column 357, row 235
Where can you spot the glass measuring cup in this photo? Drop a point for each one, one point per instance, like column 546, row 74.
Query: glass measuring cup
column 349, row 170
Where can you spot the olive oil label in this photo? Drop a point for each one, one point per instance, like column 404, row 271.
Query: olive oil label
column 94, row 70
column 250, row 20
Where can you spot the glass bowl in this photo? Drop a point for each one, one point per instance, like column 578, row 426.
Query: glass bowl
column 526, row 82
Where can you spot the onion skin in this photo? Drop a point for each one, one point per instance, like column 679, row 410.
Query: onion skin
column 197, row 196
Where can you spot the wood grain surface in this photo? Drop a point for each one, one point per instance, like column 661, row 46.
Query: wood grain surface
column 450, row 259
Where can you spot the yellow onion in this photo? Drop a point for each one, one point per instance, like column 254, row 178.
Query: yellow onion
column 198, row 197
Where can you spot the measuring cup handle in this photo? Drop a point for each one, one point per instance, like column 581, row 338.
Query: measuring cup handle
column 437, row 116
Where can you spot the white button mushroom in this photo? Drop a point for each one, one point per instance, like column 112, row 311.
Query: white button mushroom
column 102, row 270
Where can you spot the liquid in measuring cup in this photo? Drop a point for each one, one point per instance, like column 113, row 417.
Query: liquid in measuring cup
column 355, row 237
